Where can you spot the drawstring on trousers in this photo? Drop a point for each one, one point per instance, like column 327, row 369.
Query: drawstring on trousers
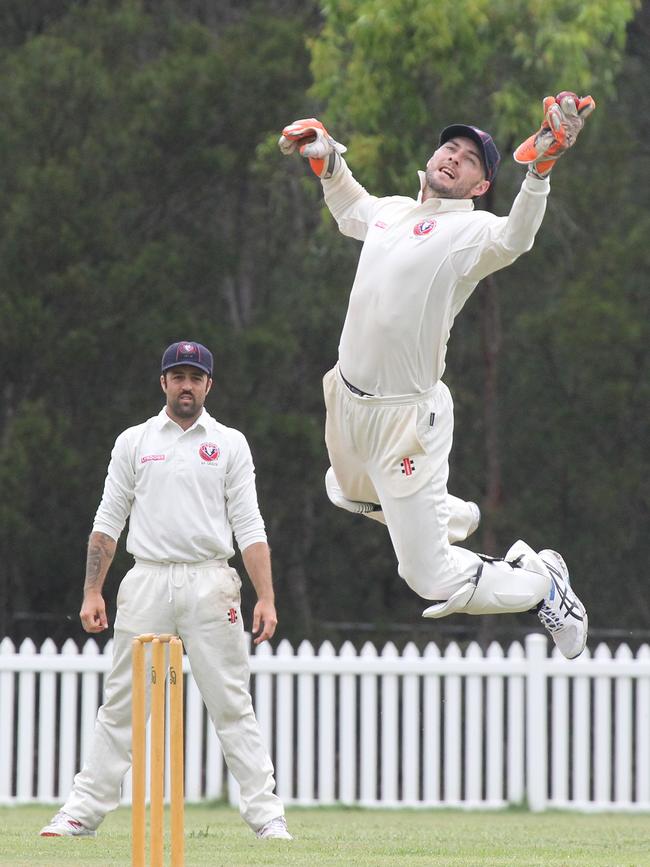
column 171, row 584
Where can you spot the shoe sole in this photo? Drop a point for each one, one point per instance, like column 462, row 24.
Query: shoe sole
column 586, row 622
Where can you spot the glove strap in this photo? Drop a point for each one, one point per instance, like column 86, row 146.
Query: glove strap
column 326, row 167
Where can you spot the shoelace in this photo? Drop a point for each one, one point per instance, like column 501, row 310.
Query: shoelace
column 567, row 599
column 550, row 619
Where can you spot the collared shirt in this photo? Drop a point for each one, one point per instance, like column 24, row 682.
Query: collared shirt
column 419, row 264
column 184, row 492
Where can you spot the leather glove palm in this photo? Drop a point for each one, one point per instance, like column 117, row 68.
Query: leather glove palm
column 564, row 117
column 310, row 138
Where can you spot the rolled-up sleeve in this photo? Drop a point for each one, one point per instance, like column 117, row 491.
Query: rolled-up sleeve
column 241, row 496
column 119, row 486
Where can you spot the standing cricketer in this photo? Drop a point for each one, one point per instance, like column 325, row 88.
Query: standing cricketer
column 186, row 483
column 389, row 414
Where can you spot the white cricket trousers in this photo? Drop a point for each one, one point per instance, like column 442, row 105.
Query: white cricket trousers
column 194, row 601
column 395, row 451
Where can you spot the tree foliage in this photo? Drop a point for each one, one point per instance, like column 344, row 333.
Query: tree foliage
column 393, row 71
column 145, row 201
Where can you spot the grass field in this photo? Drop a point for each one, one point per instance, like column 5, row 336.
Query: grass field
column 356, row 838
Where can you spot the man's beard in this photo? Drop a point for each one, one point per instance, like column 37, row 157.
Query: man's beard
column 185, row 409
column 455, row 191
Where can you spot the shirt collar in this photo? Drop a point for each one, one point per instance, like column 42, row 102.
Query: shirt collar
column 202, row 421
column 439, row 206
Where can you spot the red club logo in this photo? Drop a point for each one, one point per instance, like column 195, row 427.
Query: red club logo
column 424, row 227
column 209, row 452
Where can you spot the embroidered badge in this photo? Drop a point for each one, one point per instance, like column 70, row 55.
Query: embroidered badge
column 424, row 227
column 408, row 466
column 232, row 615
column 209, row 452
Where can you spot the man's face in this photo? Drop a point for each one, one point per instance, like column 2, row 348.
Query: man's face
column 186, row 388
column 455, row 171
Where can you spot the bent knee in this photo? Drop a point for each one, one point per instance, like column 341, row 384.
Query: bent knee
column 434, row 581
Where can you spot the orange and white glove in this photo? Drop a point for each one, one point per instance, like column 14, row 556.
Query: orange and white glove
column 564, row 117
column 310, row 138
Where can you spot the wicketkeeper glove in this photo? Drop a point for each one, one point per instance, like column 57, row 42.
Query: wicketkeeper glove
column 564, row 117
column 310, row 138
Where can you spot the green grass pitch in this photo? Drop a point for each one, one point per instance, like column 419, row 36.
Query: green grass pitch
column 216, row 836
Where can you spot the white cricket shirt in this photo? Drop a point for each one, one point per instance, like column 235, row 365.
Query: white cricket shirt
column 419, row 263
column 184, row 492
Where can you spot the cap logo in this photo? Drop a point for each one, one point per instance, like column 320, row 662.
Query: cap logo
column 187, row 352
column 209, row 452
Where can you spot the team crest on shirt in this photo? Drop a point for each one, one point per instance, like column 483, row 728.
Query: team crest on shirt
column 209, row 452
column 424, row 227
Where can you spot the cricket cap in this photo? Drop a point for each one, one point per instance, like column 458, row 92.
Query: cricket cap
column 187, row 352
column 491, row 156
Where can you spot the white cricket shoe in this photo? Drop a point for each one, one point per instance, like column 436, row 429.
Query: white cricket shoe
column 275, row 829
column 561, row 612
column 63, row 825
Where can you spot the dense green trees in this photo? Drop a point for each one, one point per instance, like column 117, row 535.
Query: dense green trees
column 145, row 201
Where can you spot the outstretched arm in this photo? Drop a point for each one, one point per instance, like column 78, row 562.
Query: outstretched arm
column 350, row 203
column 502, row 240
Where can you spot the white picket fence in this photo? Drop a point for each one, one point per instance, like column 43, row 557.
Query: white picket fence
column 375, row 728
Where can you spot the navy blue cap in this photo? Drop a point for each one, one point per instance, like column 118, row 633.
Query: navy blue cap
column 187, row 352
column 491, row 156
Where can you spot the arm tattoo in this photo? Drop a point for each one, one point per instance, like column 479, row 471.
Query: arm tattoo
column 101, row 550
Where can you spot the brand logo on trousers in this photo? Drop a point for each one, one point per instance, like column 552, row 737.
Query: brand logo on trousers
column 232, row 615
column 408, row 466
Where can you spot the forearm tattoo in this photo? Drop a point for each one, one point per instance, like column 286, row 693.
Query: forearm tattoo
column 101, row 549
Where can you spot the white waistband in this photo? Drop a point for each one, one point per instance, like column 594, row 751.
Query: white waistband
column 166, row 564
column 177, row 572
